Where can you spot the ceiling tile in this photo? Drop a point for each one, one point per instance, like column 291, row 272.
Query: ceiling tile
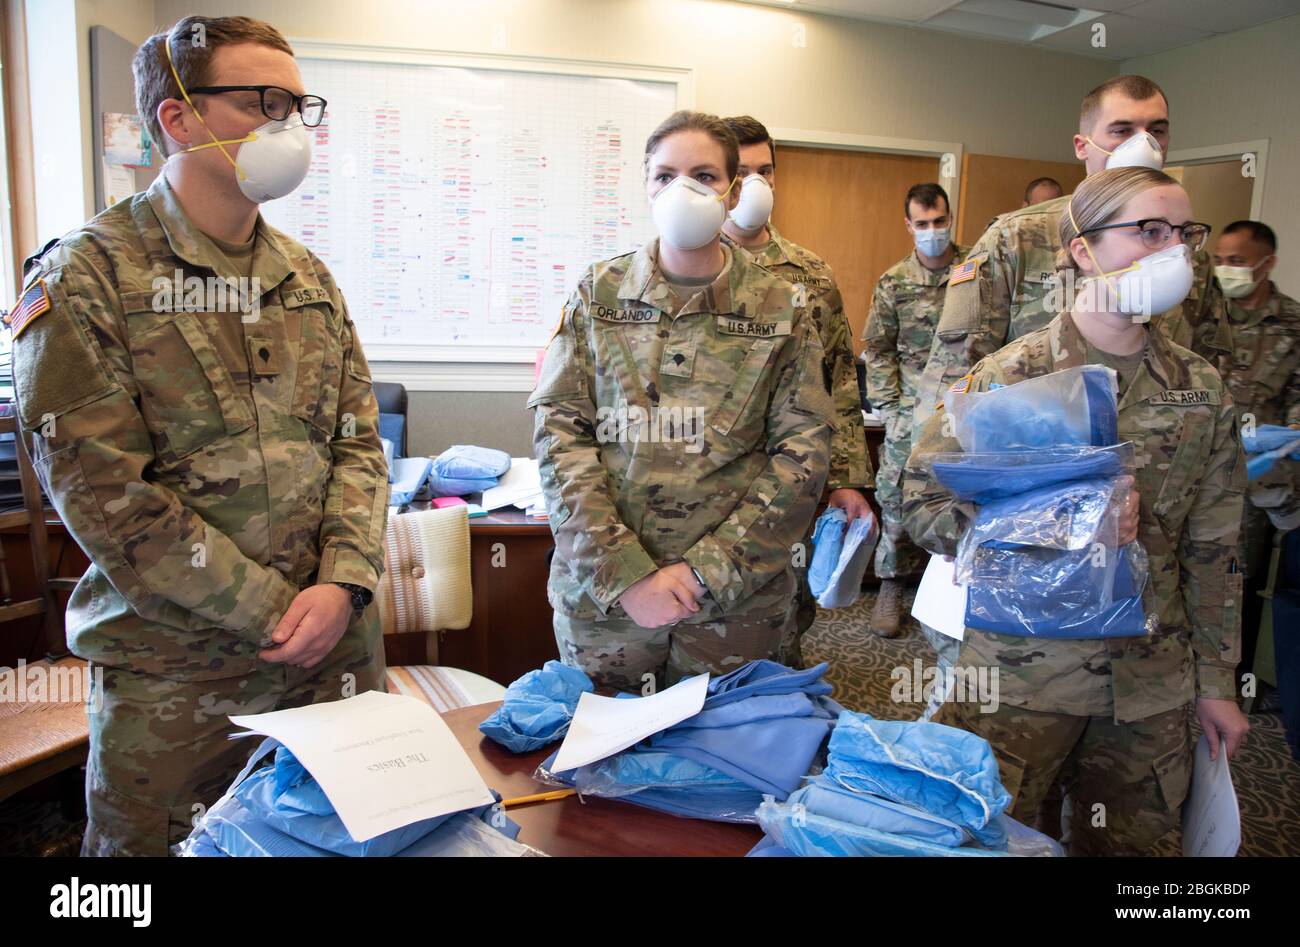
column 1214, row 15
column 909, row 11
column 1126, row 38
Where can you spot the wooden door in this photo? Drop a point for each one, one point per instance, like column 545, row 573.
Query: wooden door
column 992, row 185
column 1219, row 193
column 847, row 207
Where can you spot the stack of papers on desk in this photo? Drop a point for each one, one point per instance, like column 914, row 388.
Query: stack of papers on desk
column 520, row 486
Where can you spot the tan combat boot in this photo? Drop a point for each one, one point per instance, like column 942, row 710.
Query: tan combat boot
column 884, row 617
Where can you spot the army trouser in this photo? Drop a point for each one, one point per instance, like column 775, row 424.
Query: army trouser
column 159, row 753
column 1254, row 552
column 619, row 653
column 1124, row 783
column 895, row 554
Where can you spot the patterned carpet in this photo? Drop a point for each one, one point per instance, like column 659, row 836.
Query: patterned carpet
column 1267, row 779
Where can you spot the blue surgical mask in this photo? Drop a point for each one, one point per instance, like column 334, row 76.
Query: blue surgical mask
column 932, row 242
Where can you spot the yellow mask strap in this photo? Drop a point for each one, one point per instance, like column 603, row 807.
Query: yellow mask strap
column 1069, row 209
column 723, row 195
column 215, row 142
column 1089, row 140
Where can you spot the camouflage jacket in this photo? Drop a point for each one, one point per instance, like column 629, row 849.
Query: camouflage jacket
column 703, row 437
column 1262, row 372
column 905, row 309
column 1012, row 289
column 850, row 460
column 1191, row 477
column 209, row 466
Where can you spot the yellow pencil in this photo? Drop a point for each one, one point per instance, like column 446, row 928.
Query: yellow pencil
column 538, row 797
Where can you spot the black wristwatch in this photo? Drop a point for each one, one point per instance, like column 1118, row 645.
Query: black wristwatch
column 361, row 596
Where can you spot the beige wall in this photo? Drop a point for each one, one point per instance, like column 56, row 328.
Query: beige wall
column 1242, row 87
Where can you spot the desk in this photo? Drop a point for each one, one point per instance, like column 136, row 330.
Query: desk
column 590, row 827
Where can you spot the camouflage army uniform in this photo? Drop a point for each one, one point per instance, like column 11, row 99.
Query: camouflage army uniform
column 905, row 308
column 729, row 489
column 1111, row 716
column 1262, row 371
column 210, row 468
column 850, row 459
column 1013, row 290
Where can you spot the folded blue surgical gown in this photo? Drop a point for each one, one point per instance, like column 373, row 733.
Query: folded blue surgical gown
column 537, row 708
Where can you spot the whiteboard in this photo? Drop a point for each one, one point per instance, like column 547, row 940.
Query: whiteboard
column 458, row 205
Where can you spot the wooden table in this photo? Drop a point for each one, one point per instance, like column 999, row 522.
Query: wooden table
column 590, row 826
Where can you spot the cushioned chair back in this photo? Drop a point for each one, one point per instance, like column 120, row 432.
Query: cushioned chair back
column 426, row 583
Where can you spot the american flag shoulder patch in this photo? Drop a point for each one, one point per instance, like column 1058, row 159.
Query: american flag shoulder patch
column 966, row 271
column 34, row 302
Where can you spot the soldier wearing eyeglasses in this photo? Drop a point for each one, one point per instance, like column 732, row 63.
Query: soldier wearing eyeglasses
column 203, row 420
column 1011, row 287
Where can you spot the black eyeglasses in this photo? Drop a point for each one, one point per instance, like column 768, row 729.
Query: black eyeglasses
column 277, row 103
column 1155, row 232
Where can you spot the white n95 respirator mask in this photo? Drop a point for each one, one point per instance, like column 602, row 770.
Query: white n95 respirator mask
column 1137, row 151
column 754, row 208
column 1151, row 285
column 688, row 214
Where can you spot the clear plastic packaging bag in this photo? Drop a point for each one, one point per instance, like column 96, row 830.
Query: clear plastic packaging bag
column 661, row 781
column 840, row 557
column 1073, row 406
column 793, row 829
column 983, row 477
column 1060, row 594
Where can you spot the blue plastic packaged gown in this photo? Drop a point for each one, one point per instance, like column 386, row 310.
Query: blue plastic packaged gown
column 661, row 781
column 840, row 557
column 408, row 475
column 793, row 830
column 827, row 540
column 945, row 771
column 280, row 810
column 464, row 469
column 537, row 708
column 985, row 477
column 1073, row 406
column 1052, row 593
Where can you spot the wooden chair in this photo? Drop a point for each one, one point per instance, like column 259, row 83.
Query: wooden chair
column 426, row 590
column 44, row 737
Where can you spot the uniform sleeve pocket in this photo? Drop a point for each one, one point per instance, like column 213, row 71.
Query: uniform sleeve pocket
column 318, row 374
column 738, row 397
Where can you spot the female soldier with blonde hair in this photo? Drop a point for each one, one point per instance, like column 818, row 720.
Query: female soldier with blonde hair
column 1111, row 716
